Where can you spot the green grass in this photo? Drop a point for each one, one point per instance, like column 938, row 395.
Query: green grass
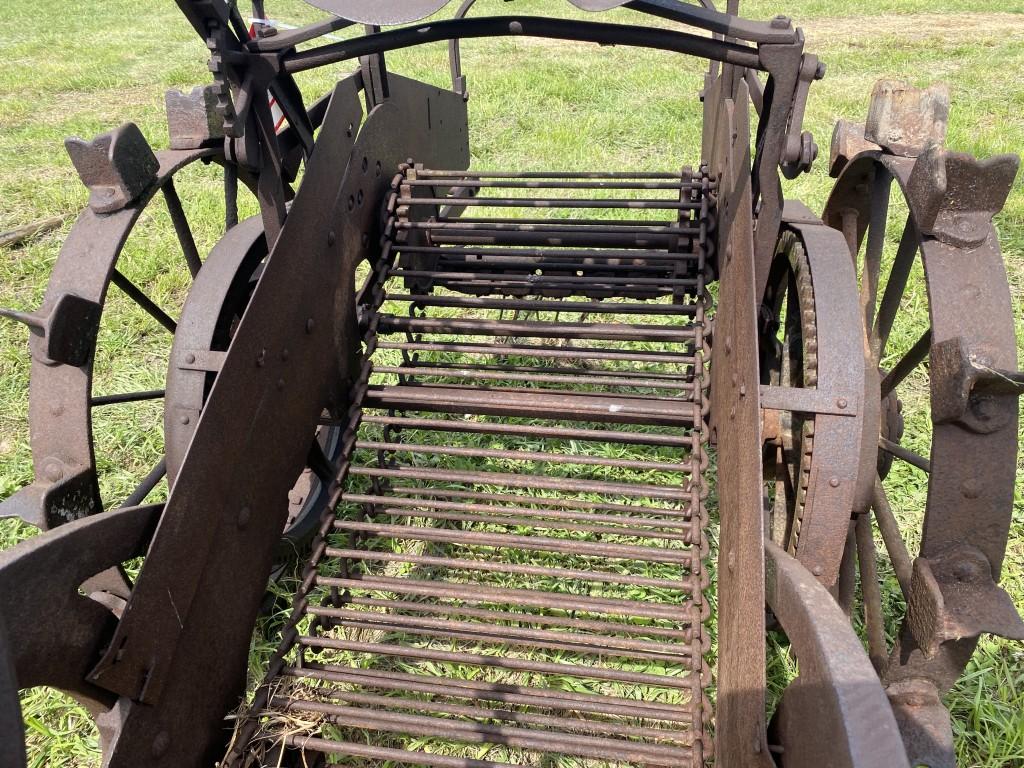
column 535, row 104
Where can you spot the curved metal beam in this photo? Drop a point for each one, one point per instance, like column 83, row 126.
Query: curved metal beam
column 529, row 26
column 55, row 632
column 836, row 712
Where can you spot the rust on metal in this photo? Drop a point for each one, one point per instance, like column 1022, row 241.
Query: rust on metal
column 488, row 418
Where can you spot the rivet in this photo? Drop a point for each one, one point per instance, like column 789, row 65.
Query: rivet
column 731, row 560
column 841, row 402
column 161, row 743
column 969, row 488
column 732, row 412
column 244, row 516
column 184, row 419
column 348, row 131
column 743, row 390
column 285, row 353
column 351, row 202
column 331, row 237
column 735, row 379
column 366, row 164
column 515, row 28
column 366, row 240
column 817, row 570
column 261, row 357
column 280, row 383
column 728, row 344
column 190, row 358
column 834, row 482
column 309, row 325
column 757, row 746
column 966, row 571
column 359, row 197
column 53, row 471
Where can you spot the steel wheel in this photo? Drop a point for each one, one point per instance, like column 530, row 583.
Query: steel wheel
column 807, row 306
column 934, row 326
column 99, row 356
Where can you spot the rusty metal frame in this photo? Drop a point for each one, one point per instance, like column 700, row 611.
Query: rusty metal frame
column 60, row 401
column 163, row 664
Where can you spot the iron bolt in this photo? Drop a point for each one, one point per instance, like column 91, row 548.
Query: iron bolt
column 284, row 354
column 780, row 22
column 309, row 325
column 331, row 237
column 53, row 471
column 190, row 358
column 515, row 28
column 184, row 419
column 966, row 571
column 261, row 357
column 280, row 383
column 817, row 570
column 743, row 390
column 834, row 482
column 244, row 516
column 841, row 402
column 969, row 489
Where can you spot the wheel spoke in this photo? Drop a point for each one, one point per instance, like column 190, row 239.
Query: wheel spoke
column 135, row 294
column 149, row 482
column 126, row 397
column 907, row 363
column 902, row 564
column 871, row 593
column 908, row 456
column 181, row 228
column 876, row 242
column 896, row 285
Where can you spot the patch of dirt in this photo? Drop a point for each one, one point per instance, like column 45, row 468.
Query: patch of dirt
column 914, row 26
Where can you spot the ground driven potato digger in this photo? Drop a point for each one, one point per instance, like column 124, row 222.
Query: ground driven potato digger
column 558, row 458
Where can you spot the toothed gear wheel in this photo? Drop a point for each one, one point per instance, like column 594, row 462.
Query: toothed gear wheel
column 790, row 361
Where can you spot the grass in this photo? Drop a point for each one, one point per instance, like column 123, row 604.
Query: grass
column 535, row 104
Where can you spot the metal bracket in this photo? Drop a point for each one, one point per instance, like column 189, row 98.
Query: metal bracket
column 905, row 120
column 953, row 596
column 964, row 385
column 193, row 119
column 60, row 494
column 805, row 400
column 65, row 334
column 800, row 150
column 954, row 196
column 202, row 360
column 923, row 722
column 848, row 141
column 117, row 167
